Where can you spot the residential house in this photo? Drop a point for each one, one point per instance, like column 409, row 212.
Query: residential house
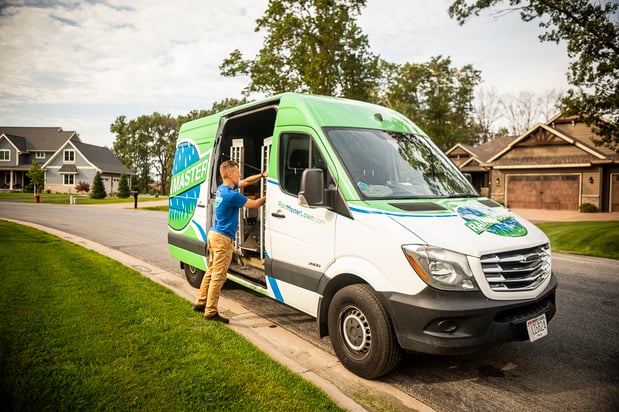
column 64, row 158
column 470, row 159
column 554, row 165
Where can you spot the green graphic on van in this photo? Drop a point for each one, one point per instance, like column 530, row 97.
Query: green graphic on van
column 188, row 172
column 482, row 219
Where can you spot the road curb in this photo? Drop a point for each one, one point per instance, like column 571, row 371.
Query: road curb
column 315, row 365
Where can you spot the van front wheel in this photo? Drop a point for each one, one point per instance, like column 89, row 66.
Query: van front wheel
column 361, row 333
column 194, row 275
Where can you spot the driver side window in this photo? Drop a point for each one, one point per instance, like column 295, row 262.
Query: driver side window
column 297, row 153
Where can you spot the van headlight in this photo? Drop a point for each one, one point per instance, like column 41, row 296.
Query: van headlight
column 441, row 268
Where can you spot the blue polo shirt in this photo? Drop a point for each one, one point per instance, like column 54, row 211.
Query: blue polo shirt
column 227, row 204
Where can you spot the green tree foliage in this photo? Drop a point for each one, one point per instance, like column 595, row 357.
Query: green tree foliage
column 98, row 190
column 147, row 144
column 36, row 177
column 311, row 46
column 591, row 30
column 123, row 187
column 163, row 130
column 437, row 97
column 132, row 147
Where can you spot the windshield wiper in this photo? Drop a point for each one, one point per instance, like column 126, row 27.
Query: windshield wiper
column 457, row 195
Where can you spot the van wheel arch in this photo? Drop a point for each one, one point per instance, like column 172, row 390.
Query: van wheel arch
column 361, row 331
column 335, row 284
column 194, row 275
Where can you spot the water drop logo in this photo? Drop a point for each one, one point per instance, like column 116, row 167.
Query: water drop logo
column 188, row 172
column 483, row 219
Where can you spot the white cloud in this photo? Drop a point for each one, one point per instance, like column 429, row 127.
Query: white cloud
column 79, row 65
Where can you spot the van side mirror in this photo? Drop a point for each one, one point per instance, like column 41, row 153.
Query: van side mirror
column 312, row 190
column 469, row 177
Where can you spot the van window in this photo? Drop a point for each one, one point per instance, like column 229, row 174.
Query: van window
column 389, row 165
column 298, row 152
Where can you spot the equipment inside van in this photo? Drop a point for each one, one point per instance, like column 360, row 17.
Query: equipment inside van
column 367, row 226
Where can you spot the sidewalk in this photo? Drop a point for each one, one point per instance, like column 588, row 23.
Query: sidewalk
column 542, row 215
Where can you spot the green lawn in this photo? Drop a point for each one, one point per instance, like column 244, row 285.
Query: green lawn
column 79, row 331
column 600, row 239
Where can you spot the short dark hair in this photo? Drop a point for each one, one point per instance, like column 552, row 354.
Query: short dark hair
column 226, row 166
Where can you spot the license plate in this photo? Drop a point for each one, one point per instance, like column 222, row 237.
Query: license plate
column 537, row 328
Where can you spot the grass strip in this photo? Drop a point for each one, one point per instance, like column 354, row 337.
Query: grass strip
column 79, row 331
column 599, row 239
column 81, row 199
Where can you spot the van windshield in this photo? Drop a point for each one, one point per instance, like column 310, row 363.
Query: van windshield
column 389, row 165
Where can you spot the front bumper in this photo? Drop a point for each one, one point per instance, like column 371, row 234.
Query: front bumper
column 440, row 322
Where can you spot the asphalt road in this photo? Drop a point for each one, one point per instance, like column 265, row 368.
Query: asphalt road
column 574, row 368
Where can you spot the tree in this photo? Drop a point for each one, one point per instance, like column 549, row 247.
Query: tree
column 123, row 187
column 437, row 97
column 132, row 147
column 526, row 109
column 591, row 30
column 36, row 177
column 487, row 114
column 311, row 46
column 147, row 144
column 163, row 132
column 98, row 190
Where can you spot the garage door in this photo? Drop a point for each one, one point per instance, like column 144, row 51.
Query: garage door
column 556, row 192
column 614, row 193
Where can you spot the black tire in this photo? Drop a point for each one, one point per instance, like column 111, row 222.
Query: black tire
column 361, row 332
column 194, row 275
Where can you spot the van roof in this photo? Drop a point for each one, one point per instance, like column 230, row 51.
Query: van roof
column 323, row 111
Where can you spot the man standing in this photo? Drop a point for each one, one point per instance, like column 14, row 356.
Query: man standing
column 220, row 239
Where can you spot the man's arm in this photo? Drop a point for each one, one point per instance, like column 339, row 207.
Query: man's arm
column 254, row 203
column 252, row 179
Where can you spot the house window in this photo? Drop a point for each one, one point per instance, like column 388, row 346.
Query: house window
column 5, row 154
column 69, row 180
column 69, row 155
column 40, row 155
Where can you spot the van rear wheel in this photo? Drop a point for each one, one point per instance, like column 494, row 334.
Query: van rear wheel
column 361, row 332
column 194, row 275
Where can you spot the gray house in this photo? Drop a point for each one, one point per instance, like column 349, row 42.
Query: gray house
column 61, row 154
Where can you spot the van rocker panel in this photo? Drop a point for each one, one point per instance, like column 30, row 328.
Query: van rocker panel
column 476, row 320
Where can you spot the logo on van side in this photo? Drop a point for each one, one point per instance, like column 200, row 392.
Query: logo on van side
column 482, row 219
column 189, row 171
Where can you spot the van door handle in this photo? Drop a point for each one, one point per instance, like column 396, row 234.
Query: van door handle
column 278, row 214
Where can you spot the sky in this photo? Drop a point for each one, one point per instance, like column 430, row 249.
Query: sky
column 79, row 65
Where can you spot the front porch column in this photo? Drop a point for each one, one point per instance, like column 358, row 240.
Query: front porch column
column 11, row 180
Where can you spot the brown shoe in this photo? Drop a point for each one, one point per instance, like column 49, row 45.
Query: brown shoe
column 198, row 308
column 217, row 318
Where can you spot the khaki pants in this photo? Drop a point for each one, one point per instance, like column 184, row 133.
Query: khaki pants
column 220, row 249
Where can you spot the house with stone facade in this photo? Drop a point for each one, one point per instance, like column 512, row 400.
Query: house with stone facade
column 554, row 165
column 64, row 158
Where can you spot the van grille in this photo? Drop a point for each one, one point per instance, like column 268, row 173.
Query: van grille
column 517, row 270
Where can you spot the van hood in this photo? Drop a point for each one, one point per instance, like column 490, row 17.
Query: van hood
column 471, row 226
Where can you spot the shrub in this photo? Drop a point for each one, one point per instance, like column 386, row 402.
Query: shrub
column 588, row 208
column 82, row 187
column 98, row 190
column 123, row 187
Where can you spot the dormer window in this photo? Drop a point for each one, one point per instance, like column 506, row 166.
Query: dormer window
column 40, row 155
column 5, row 154
column 69, row 156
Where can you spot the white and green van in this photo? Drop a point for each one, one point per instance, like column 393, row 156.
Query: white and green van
column 368, row 227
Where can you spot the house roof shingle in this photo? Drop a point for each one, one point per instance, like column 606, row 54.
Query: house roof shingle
column 39, row 139
column 102, row 157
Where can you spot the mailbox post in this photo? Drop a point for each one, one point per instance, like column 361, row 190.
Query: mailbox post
column 134, row 193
